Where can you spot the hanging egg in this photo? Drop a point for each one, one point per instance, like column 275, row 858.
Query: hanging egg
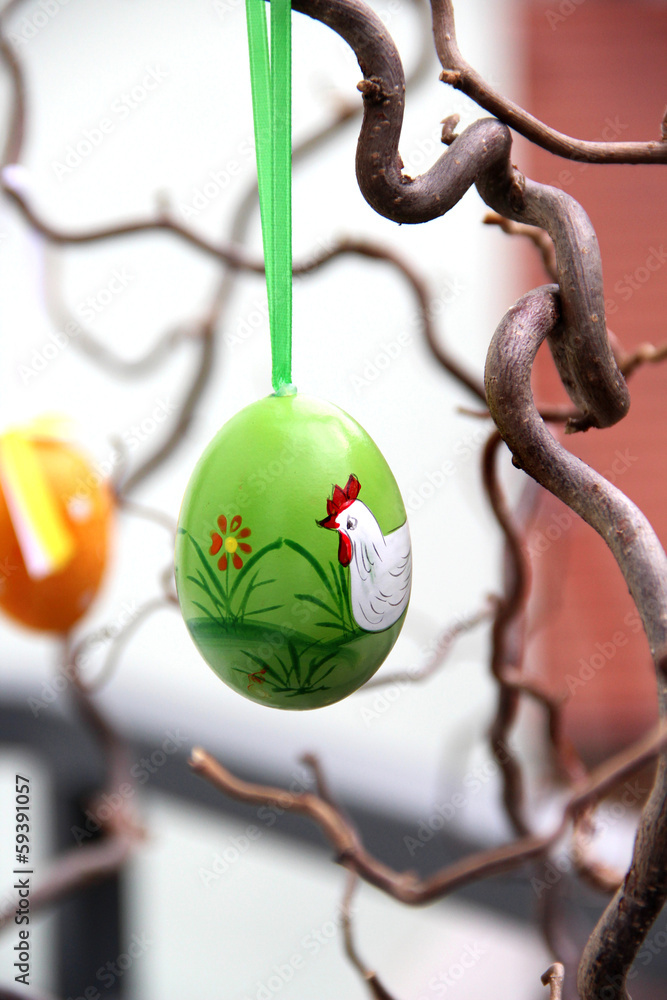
column 55, row 523
column 293, row 557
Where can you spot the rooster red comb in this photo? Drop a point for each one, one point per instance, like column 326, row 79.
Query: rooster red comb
column 340, row 499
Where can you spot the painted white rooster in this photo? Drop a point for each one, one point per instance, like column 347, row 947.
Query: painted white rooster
column 380, row 565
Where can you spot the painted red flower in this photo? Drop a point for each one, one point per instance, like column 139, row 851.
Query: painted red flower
column 229, row 541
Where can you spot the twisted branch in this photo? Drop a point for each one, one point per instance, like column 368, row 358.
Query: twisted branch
column 612, row 947
column 407, row 887
column 481, row 155
column 461, row 75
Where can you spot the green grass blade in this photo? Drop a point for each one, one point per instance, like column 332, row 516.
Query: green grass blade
column 319, row 603
column 325, row 675
column 315, row 665
column 202, row 584
column 209, row 571
column 262, row 611
column 291, row 693
column 251, row 563
column 314, row 563
column 340, row 589
column 267, row 666
column 209, row 614
column 296, row 663
column 246, row 598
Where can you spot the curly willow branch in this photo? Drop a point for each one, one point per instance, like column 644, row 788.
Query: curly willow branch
column 612, row 947
column 571, row 317
column 481, row 156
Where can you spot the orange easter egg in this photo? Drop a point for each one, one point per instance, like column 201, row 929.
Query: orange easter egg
column 83, row 507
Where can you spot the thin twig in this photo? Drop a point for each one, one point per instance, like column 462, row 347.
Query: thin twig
column 407, row 887
column 375, row 987
column 459, row 74
column 553, row 977
column 539, row 237
column 442, row 648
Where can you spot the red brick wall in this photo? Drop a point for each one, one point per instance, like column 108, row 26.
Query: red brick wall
column 600, row 71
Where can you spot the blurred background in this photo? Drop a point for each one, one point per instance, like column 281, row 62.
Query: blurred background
column 205, row 906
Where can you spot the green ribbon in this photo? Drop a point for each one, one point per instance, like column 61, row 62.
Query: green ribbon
column 271, row 85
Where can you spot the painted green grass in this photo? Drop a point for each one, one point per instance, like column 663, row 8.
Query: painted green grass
column 337, row 586
column 293, row 673
column 228, row 604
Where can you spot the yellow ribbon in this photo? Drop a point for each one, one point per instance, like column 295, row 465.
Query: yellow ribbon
column 43, row 534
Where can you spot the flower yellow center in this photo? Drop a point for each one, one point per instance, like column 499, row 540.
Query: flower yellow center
column 231, row 544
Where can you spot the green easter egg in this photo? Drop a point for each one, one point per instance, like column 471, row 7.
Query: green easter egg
column 293, row 557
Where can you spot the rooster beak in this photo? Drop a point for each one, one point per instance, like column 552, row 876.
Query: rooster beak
column 328, row 522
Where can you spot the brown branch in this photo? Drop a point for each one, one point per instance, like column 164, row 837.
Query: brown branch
column 407, row 887
column 16, row 131
column 235, row 257
column 541, row 240
column 312, row 761
column 644, row 354
column 626, row 921
column 460, row 75
column 507, row 642
column 553, row 977
column 375, row 987
column 508, row 653
column 481, row 155
column 150, row 514
column 560, row 937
